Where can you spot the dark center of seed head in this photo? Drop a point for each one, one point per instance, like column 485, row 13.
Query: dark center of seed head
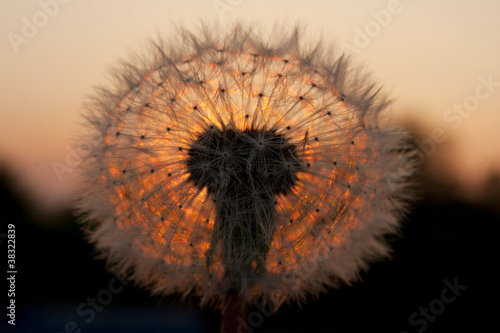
column 236, row 163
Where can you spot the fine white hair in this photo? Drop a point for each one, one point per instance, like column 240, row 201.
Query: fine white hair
column 176, row 223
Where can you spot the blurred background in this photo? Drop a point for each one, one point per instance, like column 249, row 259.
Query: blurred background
column 438, row 61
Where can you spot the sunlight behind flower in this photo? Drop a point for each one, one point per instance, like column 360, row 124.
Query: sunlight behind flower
column 224, row 160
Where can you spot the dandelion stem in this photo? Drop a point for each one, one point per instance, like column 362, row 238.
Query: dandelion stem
column 234, row 315
column 245, row 227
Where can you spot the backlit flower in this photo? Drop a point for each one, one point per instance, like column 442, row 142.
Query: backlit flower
column 232, row 163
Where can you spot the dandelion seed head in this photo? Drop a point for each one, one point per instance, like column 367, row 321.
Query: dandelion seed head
column 228, row 162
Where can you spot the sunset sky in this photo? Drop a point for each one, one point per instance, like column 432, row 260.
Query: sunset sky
column 439, row 61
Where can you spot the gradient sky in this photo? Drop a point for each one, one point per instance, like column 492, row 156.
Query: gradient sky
column 427, row 54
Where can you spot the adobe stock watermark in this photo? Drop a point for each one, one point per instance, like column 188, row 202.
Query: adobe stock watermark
column 31, row 26
column 484, row 89
column 224, row 6
column 87, row 310
column 265, row 309
column 381, row 19
column 453, row 116
column 75, row 155
column 74, row 158
column 420, row 319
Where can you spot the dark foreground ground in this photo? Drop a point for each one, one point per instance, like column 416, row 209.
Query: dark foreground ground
column 442, row 278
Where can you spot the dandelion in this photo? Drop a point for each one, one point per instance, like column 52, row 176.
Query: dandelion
column 229, row 164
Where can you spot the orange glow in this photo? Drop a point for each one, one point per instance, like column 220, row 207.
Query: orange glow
column 178, row 218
